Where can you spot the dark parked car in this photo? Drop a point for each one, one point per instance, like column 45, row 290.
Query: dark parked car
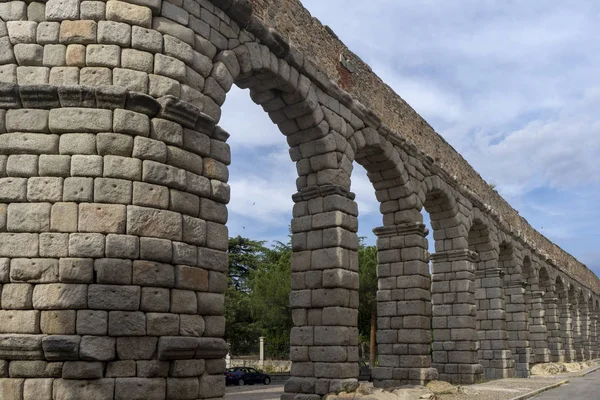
column 245, row 376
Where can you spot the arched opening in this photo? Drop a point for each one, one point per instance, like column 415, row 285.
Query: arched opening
column 516, row 313
column 493, row 352
column 453, row 287
column 538, row 332
column 552, row 317
column 566, row 326
column 576, row 326
column 403, row 296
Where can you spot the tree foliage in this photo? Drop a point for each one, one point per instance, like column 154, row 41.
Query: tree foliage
column 257, row 298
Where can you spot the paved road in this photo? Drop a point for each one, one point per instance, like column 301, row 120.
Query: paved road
column 255, row 392
column 585, row 388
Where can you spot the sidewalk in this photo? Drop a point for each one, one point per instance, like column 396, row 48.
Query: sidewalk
column 515, row 388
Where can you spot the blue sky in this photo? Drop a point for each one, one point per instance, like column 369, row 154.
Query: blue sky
column 514, row 86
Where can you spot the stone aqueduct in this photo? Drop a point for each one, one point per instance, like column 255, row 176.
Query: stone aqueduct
column 113, row 184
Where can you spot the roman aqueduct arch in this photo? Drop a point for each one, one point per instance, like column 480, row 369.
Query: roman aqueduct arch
column 113, row 193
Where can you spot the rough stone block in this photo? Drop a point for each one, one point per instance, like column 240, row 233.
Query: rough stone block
column 86, row 165
column 58, row 322
column 21, row 31
column 155, row 299
column 102, row 218
column 112, row 297
column 80, row 120
column 55, row 55
column 32, row 143
column 123, row 323
column 22, row 165
column 78, row 32
column 131, row 123
column 170, row 67
column 44, row 189
column 99, row 389
column 54, row 245
column 95, row 76
column 150, row 149
column 77, row 144
column 122, row 246
column 19, row 245
column 136, row 348
column 47, row 32
column 59, row 296
column 86, row 245
column 129, row 13
column 93, row 10
column 103, row 55
column 28, row 217
column 150, row 222
column 58, row 10
column 97, row 348
column 92, row 322
column 113, row 271
column 146, row 39
column 121, row 369
column 83, row 370
column 61, row 347
column 118, row 33
column 20, row 321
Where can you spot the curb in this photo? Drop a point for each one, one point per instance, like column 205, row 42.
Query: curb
column 589, row 372
column 541, row 390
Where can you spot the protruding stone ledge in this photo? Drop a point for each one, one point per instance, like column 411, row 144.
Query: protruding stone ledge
column 313, row 192
column 455, row 255
column 45, row 97
column 416, row 228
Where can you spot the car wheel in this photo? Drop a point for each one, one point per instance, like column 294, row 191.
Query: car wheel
column 241, row 382
column 267, row 380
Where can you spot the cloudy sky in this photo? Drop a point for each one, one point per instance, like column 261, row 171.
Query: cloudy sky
column 514, row 86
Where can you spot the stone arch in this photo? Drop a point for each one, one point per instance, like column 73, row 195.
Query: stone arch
column 493, row 352
column 453, row 289
column 534, row 296
column 404, row 305
column 516, row 313
column 581, row 330
column 566, row 322
column 324, row 297
column 552, row 317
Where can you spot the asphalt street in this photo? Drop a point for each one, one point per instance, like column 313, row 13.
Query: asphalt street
column 584, row 388
column 255, row 392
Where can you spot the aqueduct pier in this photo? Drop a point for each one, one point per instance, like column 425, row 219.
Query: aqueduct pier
column 113, row 192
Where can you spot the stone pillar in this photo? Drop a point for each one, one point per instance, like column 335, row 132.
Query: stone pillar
column 454, row 316
column 403, row 307
column 324, row 297
column 577, row 331
column 585, row 331
column 494, row 354
column 555, row 343
column 594, row 335
column 538, row 331
column 113, row 244
column 516, row 326
column 566, row 326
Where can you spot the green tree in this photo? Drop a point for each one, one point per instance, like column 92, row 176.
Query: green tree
column 270, row 288
column 367, row 292
column 241, row 331
column 245, row 255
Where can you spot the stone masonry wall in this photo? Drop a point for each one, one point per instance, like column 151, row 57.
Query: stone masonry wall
column 321, row 45
column 112, row 205
column 113, row 194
